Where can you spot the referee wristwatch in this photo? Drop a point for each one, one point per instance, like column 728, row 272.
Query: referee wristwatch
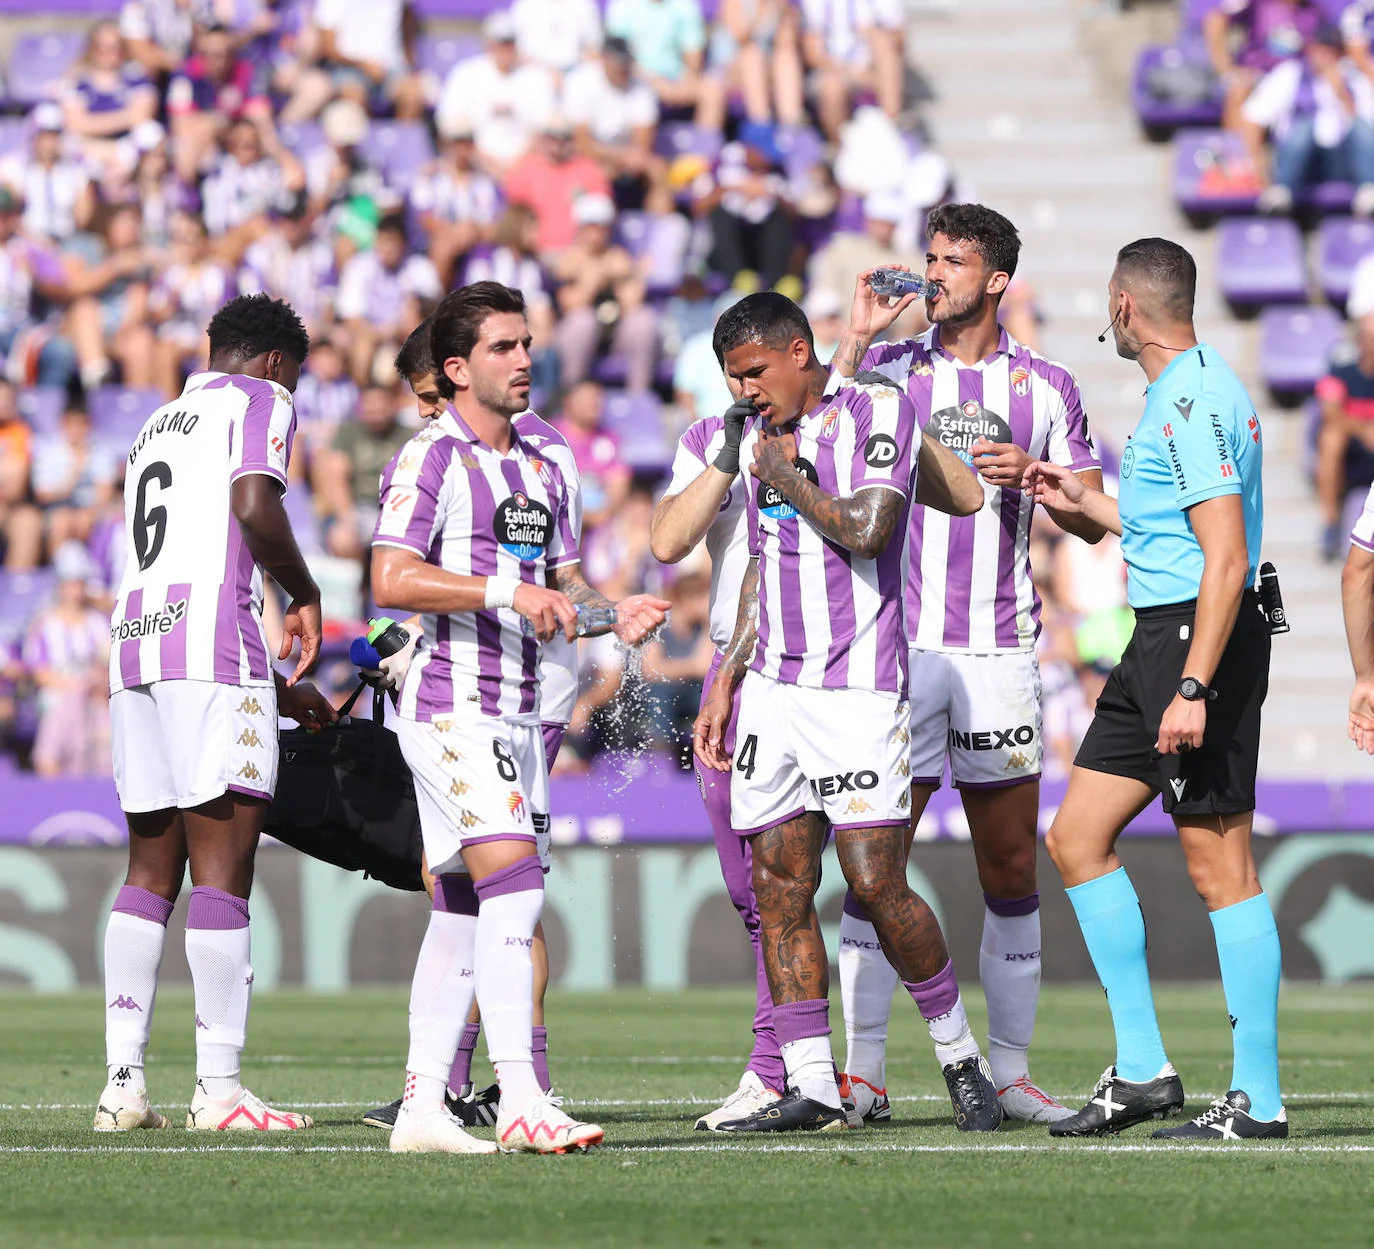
column 1193, row 690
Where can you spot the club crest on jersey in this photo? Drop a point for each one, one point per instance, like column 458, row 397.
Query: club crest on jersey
column 774, row 504
column 1021, row 380
column 830, row 424
column 959, row 428
column 515, row 804
column 523, row 527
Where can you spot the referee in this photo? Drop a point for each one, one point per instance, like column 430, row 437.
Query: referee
column 1180, row 715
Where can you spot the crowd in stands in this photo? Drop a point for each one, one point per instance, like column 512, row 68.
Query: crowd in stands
column 633, row 166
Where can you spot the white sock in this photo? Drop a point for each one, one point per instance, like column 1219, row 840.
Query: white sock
column 217, row 949
column 954, row 1039
column 811, row 1069
column 506, row 919
column 1009, row 968
column 440, row 998
column 133, row 954
column 867, row 983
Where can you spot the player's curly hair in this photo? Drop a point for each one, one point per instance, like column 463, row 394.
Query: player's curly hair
column 252, row 324
column 457, row 323
column 767, row 318
column 416, row 359
column 993, row 237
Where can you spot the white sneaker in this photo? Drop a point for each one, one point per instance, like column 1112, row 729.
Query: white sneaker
column 434, row 1132
column 540, row 1127
column 244, row 1111
column 1028, row 1103
column 1363, row 203
column 753, row 1094
column 863, row 1102
column 124, row 1110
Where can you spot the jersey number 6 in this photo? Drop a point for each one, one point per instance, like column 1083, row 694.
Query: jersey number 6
column 150, row 524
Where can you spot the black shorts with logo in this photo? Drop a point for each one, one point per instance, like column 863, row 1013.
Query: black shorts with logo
column 1219, row 779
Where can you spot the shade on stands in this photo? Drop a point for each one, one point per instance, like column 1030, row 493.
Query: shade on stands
column 1260, row 261
column 37, row 63
column 41, row 406
column 118, row 413
column 399, row 149
column 1294, row 346
column 1342, row 242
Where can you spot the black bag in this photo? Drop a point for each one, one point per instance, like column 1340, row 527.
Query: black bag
column 345, row 796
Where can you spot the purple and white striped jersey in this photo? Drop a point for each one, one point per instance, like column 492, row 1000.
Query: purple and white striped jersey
column 189, row 605
column 828, row 618
column 1362, row 535
column 970, row 586
column 727, row 540
column 470, row 510
column 557, row 657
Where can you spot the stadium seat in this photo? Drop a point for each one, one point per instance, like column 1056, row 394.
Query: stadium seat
column 437, row 56
column 1260, row 261
column 456, row 10
column 118, row 413
column 1208, row 174
column 21, row 595
column 302, row 137
column 802, row 147
column 683, row 138
column 399, row 149
column 92, row 9
column 14, row 135
column 1342, row 242
column 37, row 63
column 1294, row 346
column 626, row 411
column 659, row 241
column 1161, row 112
column 41, row 407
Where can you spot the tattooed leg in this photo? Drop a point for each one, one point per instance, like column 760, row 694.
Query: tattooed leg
column 786, row 873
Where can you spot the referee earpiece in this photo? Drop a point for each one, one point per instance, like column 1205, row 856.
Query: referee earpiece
column 1111, row 325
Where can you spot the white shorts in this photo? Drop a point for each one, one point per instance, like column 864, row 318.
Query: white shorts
column 983, row 711
column 184, row 743
column 476, row 779
column 840, row 752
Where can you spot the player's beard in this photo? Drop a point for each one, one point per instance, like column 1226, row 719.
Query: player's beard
column 955, row 310
column 500, row 398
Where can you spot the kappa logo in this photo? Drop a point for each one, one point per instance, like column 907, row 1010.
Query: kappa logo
column 458, row 788
column 249, row 772
column 904, row 768
column 857, row 806
column 515, row 804
column 1020, row 380
column 467, row 819
column 904, row 800
column 1185, row 408
column 249, row 706
column 903, row 736
column 283, row 394
column 125, row 1003
column 450, row 755
column 925, row 369
column 1016, row 760
column 200, row 1023
column 469, row 462
column 249, row 737
column 407, row 461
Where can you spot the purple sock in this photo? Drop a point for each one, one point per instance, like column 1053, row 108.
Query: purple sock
column 143, row 904
column 938, row 995
column 539, row 1049
column 215, row 910
column 460, row 1074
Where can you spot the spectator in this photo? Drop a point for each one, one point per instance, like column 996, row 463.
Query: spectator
column 21, row 524
column 73, row 479
column 1248, row 38
column 745, row 202
column 668, row 40
column 244, row 187
column 109, row 278
column 602, row 300
column 514, row 261
column 604, row 476
column 853, row 47
column 345, row 477
column 185, row 295
column 325, row 397
column 159, row 32
column 676, row 662
column 699, row 385
column 214, row 88
column 289, row 261
column 614, row 113
column 506, row 102
column 1319, row 110
column 383, row 295
column 557, row 34
column 826, row 312
column 153, row 187
column 58, row 195
column 107, row 97
column 550, row 178
column 369, row 45
column 1345, row 437
column 338, row 172
column 66, row 652
column 30, row 273
column 756, row 50
column 455, row 203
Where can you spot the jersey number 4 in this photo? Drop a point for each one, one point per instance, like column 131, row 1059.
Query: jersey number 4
column 745, row 756
column 150, row 523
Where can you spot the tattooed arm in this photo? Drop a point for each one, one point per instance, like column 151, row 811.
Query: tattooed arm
column 944, row 481
column 636, row 616
column 708, row 734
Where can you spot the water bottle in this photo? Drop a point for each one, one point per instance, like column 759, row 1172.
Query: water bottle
column 1271, row 600
column 588, row 619
column 386, row 637
column 898, row 283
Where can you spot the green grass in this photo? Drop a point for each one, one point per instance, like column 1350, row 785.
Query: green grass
column 644, row 1065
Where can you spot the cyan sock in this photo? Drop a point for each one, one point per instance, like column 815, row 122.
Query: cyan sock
column 1248, row 951
column 1109, row 914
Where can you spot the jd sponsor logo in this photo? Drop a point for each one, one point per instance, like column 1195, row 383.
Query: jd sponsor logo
column 846, row 783
column 959, row 428
column 998, row 739
column 774, row 504
column 880, row 451
column 523, row 527
column 162, row 621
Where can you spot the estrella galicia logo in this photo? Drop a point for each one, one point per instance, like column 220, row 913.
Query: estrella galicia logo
column 1128, row 461
column 774, row 504
column 523, row 527
column 959, row 428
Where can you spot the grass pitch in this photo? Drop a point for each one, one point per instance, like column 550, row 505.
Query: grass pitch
column 644, row 1066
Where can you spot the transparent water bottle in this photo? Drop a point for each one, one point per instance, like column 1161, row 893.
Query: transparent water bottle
column 898, row 283
column 589, row 619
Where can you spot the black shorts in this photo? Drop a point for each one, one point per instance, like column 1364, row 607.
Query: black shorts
column 1219, row 779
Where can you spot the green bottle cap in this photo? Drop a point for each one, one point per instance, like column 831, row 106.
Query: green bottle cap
column 375, row 628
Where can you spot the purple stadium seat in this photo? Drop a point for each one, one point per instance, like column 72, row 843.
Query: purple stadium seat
column 399, row 149
column 1201, row 185
column 92, row 9
column 456, row 10
column 1294, row 346
column 21, row 595
column 118, row 413
column 611, row 371
column 302, row 137
column 801, row 148
column 14, row 135
column 632, row 232
column 37, row 63
column 683, row 138
column 666, row 253
column 626, row 412
column 1342, row 242
column 41, row 407
column 437, row 56
column 1260, row 261
column 1160, row 116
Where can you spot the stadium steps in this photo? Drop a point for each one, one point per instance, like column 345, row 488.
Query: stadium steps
column 1037, row 122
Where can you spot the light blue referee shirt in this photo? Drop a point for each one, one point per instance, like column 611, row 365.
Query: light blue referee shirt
column 1198, row 438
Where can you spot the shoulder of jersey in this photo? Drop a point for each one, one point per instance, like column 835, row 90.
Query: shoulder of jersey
column 535, row 429
column 872, row 383
column 1047, row 367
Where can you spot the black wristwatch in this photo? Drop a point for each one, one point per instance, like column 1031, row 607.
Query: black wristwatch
column 1194, row 691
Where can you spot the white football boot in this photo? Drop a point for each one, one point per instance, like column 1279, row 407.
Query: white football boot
column 541, row 1127
column 753, row 1094
column 434, row 1131
column 245, row 1112
column 123, row 1109
column 1028, row 1103
column 863, row 1102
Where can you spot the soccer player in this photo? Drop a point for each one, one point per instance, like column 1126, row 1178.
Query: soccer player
column 558, row 697
column 1180, row 715
column 475, row 533
column 1357, row 595
column 822, row 725
column 194, row 702
column 973, row 616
